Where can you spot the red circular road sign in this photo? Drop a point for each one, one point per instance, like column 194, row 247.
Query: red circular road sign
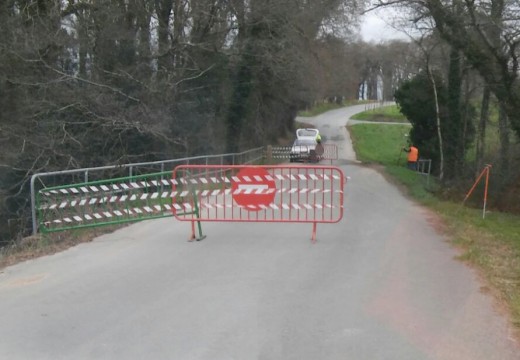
column 253, row 188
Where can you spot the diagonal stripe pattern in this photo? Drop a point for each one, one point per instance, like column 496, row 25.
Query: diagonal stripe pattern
column 302, row 194
column 330, row 152
column 202, row 193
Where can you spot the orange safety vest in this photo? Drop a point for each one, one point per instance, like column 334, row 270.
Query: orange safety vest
column 413, row 154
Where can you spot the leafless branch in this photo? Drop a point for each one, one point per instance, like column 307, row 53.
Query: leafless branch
column 196, row 76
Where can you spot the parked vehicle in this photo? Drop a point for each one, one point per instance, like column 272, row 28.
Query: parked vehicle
column 304, row 149
column 308, row 133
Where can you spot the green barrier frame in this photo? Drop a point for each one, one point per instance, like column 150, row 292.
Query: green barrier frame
column 114, row 202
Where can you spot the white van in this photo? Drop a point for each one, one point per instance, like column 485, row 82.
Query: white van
column 307, row 133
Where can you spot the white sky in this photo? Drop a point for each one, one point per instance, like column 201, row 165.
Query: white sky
column 375, row 28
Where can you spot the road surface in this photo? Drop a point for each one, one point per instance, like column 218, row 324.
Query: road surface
column 381, row 284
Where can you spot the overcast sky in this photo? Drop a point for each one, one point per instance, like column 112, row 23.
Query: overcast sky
column 374, row 27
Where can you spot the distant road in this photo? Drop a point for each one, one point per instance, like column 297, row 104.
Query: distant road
column 332, row 126
column 381, row 284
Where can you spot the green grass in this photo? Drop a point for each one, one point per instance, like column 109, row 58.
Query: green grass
column 492, row 244
column 319, row 109
column 381, row 144
column 327, row 106
column 382, row 114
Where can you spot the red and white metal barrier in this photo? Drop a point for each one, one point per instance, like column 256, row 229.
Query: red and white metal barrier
column 305, row 194
column 330, row 152
column 294, row 153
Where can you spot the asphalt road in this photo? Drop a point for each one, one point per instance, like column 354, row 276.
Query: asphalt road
column 381, row 284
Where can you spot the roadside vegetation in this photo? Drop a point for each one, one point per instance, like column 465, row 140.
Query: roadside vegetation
column 79, row 90
column 492, row 244
column 325, row 106
column 146, row 81
column 34, row 246
column 382, row 114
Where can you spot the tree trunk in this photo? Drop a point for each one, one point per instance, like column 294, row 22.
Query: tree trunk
column 144, row 47
column 438, row 121
column 238, row 109
column 503, row 130
column 481, row 137
column 466, row 119
column 452, row 131
column 178, row 28
column 163, row 8
column 83, row 43
column 388, row 84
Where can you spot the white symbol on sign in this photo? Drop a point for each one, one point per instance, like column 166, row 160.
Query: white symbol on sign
column 252, row 188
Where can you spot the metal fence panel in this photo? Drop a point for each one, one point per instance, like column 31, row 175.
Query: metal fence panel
column 63, row 178
column 105, row 202
column 311, row 194
column 198, row 193
column 327, row 152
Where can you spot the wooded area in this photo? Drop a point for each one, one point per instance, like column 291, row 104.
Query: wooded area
column 87, row 83
column 467, row 91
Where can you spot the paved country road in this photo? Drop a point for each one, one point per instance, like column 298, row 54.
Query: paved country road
column 381, row 284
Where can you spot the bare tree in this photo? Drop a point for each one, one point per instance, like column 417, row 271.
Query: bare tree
column 97, row 82
column 486, row 32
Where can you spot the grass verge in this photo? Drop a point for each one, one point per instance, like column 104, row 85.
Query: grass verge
column 327, row 106
column 382, row 114
column 491, row 245
column 35, row 246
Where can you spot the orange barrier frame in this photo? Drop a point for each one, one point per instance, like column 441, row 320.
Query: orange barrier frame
column 245, row 193
column 485, row 171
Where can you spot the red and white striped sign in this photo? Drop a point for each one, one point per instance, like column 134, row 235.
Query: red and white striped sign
column 312, row 194
column 252, row 188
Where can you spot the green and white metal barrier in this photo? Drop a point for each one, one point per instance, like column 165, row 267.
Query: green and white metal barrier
column 106, row 202
column 74, row 178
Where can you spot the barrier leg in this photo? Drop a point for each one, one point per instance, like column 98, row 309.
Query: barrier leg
column 192, row 237
column 474, row 185
column 314, row 226
column 201, row 237
column 486, row 173
column 485, row 193
column 195, row 205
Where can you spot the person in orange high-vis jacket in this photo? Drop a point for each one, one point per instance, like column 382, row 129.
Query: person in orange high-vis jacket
column 413, row 156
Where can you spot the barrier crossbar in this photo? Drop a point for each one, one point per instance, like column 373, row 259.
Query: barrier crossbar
column 105, row 202
column 305, row 194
